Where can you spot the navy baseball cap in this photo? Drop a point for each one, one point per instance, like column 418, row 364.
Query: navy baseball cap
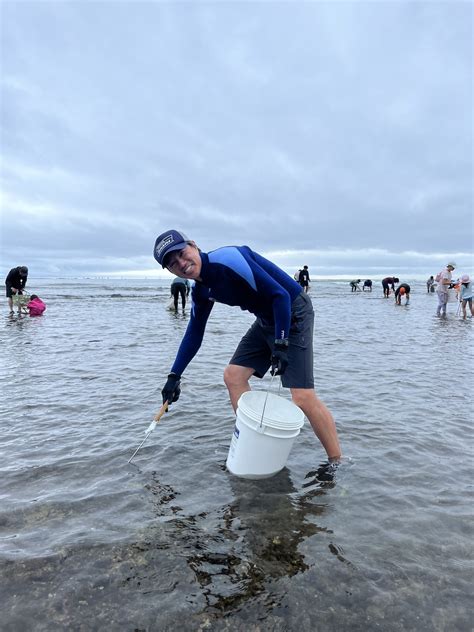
column 167, row 242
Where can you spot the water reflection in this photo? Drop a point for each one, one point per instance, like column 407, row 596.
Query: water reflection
column 18, row 320
column 179, row 315
column 238, row 551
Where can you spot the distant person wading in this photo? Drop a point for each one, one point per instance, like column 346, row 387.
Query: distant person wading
column 465, row 295
column 180, row 288
column 387, row 283
column 430, row 284
column 444, row 280
column 303, row 278
column 402, row 290
column 15, row 284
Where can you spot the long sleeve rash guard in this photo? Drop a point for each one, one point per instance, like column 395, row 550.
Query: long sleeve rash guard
column 237, row 276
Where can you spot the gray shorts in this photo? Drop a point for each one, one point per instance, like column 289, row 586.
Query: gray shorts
column 255, row 348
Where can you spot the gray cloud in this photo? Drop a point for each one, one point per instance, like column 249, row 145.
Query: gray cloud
column 316, row 127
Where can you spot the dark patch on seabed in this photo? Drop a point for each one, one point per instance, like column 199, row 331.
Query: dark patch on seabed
column 185, row 572
column 241, row 567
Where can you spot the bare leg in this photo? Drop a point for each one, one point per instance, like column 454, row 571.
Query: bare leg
column 10, row 303
column 320, row 419
column 236, row 379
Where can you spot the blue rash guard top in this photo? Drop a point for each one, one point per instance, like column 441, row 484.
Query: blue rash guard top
column 236, row 275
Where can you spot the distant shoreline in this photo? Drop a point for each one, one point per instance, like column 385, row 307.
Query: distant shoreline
column 315, row 279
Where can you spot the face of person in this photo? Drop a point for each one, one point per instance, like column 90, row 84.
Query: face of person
column 185, row 263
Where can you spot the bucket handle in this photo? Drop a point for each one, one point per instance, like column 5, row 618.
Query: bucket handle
column 266, row 397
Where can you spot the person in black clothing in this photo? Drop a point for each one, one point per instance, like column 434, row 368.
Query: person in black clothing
column 303, row 278
column 402, row 290
column 180, row 287
column 15, row 283
column 368, row 285
column 386, row 283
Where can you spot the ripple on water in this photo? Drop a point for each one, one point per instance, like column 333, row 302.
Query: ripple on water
column 89, row 541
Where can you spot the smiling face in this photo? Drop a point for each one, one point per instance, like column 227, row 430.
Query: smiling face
column 185, row 263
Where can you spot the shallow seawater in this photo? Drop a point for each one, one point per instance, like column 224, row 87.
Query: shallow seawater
column 172, row 541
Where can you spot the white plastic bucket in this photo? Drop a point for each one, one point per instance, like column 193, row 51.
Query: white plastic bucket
column 260, row 447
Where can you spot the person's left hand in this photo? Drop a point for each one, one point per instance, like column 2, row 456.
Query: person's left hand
column 279, row 357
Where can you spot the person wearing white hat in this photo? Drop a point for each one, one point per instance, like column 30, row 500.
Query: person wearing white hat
column 465, row 295
column 444, row 280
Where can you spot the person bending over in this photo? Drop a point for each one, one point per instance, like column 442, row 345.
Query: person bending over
column 280, row 339
column 180, row 287
column 386, row 283
column 15, row 283
column 444, row 280
column 402, row 290
column 303, row 278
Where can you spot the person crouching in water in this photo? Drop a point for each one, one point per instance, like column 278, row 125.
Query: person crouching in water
column 402, row 290
column 465, row 295
column 35, row 306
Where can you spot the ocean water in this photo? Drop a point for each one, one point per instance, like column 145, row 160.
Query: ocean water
column 172, row 541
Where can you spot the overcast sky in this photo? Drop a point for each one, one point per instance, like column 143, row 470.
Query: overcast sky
column 333, row 134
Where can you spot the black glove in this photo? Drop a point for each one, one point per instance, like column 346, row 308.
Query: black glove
column 171, row 390
column 279, row 357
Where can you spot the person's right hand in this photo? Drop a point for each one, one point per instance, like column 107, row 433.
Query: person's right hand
column 172, row 389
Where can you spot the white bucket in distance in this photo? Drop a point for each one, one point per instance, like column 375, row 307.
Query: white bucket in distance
column 260, row 447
